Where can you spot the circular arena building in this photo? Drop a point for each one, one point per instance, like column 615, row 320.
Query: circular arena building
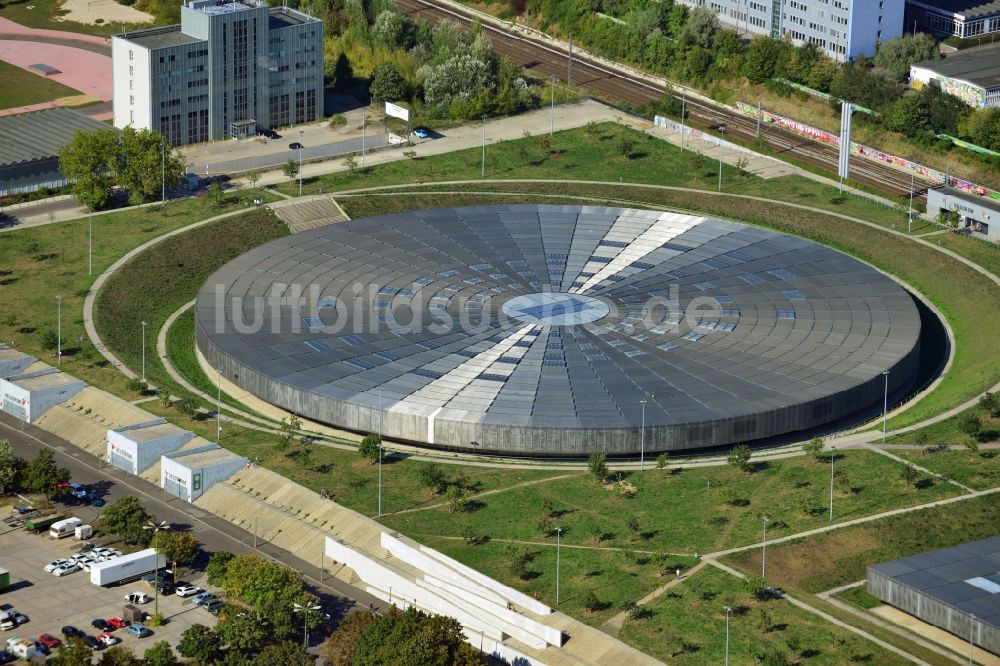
column 559, row 330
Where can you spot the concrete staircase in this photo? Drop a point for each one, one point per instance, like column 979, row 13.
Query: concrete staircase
column 309, row 212
column 85, row 418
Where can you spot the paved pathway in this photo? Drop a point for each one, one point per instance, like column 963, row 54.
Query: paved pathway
column 614, row 625
column 914, row 465
column 8, row 27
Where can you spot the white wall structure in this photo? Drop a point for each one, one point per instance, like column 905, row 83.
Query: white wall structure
column 13, row 362
column 131, row 85
column 188, row 474
column 27, row 396
column 135, row 448
column 494, row 615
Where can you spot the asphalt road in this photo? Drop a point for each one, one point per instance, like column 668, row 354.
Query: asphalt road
column 275, row 153
column 215, row 534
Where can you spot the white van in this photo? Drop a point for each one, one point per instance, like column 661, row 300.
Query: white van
column 7, row 621
column 64, row 528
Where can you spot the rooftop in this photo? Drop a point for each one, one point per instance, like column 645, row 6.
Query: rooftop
column 11, row 354
column 214, row 7
column 46, row 381
column 966, row 577
column 979, row 65
column 40, row 135
column 214, row 456
column 283, row 17
column 159, row 38
column 968, row 9
column 974, row 199
column 153, row 432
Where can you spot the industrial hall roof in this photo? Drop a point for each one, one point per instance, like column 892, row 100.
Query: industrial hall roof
column 40, row 135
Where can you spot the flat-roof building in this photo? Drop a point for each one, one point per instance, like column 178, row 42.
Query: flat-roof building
column 227, row 70
column 956, row 589
column 27, row 396
column 13, row 362
column 188, row 474
column 980, row 214
column 972, row 75
column 842, row 28
column 30, row 145
column 136, row 448
column 961, row 18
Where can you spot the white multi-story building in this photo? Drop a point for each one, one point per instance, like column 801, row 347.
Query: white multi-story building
column 842, row 28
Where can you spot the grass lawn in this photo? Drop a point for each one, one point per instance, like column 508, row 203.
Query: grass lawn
column 968, row 302
column 19, row 87
column 687, row 626
column 977, row 470
column 860, row 597
column 696, row 509
column 840, row 557
column 985, row 254
column 43, row 13
column 39, row 263
column 949, row 431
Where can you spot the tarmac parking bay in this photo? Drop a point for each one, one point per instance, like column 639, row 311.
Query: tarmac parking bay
column 51, row 602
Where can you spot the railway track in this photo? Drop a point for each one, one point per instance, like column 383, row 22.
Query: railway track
column 545, row 60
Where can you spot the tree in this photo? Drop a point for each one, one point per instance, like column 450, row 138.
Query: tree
column 813, row 447
column 89, row 161
column 517, row 561
column 625, row 144
column 760, row 59
column 119, row 655
column 700, row 27
column 253, row 177
column 339, row 648
column 370, row 447
column 214, row 191
column 990, row 403
column 160, row 654
column 633, row 527
column 414, row 637
column 187, row 407
column 739, row 456
column 661, row 460
column 764, row 620
column 289, row 426
column 456, row 499
column 44, row 476
column 290, row 169
column 351, row 163
column 459, row 78
column 177, row 546
column 200, row 644
column 591, row 602
column 971, row 425
column 388, row 85
column 147, row 164
column 269, row 589
column 126, row 517
column 218, row 567
column 287, row 653
column 241, row 630
column 896, row 55
column 387, row 30
column 48, row 340
column 11, row 467
column 73, row 652
column 597, row 464
column 433, row 477
column 910, row 474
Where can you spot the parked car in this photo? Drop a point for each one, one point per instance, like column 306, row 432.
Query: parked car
column 70, row 631
column 185, row 590
column 108, row 640
column 55, row 564
column 421, row 132
column 65, row 570
column 117, row 622
column 92, row 643
column 396, row 140
column 203, row 598
column 138, row 630
column 96, row 501
column 6, row 657
column 214, row 606
column 49, row 641
column 137, row 598
column 23, row 508
column 101, row 625
column 19, row 618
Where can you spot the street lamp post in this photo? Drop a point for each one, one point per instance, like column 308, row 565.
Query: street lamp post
column 763, row 548
column 157, row 528
column 144, row 350
column 380, row 451
column 218, row 409
column 300, row 163
column 683, row 106
column 642, row 438
column 558, row 544
column 305, row 610
column 364, row 122
column 909, row 215
column 90, row 243
column 885, row 402
column 58, row 331
column 552, row 107
column 728, row 611
column 833, row 456
column 163, row 174
column 722, row 130
column 482, row 172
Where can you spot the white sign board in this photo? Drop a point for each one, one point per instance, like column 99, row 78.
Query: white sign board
column 397, row 111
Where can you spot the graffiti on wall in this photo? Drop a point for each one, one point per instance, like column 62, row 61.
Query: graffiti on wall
column 968, row 93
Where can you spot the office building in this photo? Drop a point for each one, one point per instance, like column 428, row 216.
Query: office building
column 228, row 69
column 844, row 29
column 968, row 19
column 972, row 75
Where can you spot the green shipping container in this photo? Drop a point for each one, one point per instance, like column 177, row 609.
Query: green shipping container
column 4, row 579
column 39, row 524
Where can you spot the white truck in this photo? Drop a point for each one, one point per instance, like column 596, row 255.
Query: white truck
column 126, row 568
column 64, row 528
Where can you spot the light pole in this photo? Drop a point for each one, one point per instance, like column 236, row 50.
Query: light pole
column 885, row 402
column 722, row 130
column 642, row 438
column 728, row 611
column 763, row 547
column 364, row 122
column 157, row 528
column 552, row 108
column 909, row 215
column 144, row 350
column 305, row 610
column 482, row 173
column 90, row 243
column 58, row 331
column 380, row 451
column 683, row 105
column 833, row 456
column 163, row 174
column 558, row 544
column 218, row 409
column 300, row 163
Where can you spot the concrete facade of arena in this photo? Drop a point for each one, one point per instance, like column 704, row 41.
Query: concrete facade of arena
column 972, row 75
column 842, row 28
column 801, row 347
column 30, row 145
column 980, row 214
column 968, row 19
column 229, row 69
column 956, row 589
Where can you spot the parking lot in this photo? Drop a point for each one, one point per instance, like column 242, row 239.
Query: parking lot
column 51, row 603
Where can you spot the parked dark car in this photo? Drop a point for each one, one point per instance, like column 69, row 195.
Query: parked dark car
column 6, row 657
column 92, row 642
column 101, row 625
column 96, row 501
column 69, row 631
column 294, row 146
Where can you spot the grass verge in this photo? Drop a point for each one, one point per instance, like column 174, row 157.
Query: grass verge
column 20, row 87
column 45, row 14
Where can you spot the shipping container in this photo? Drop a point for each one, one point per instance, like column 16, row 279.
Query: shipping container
column 43, row 523
column 126, row 568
